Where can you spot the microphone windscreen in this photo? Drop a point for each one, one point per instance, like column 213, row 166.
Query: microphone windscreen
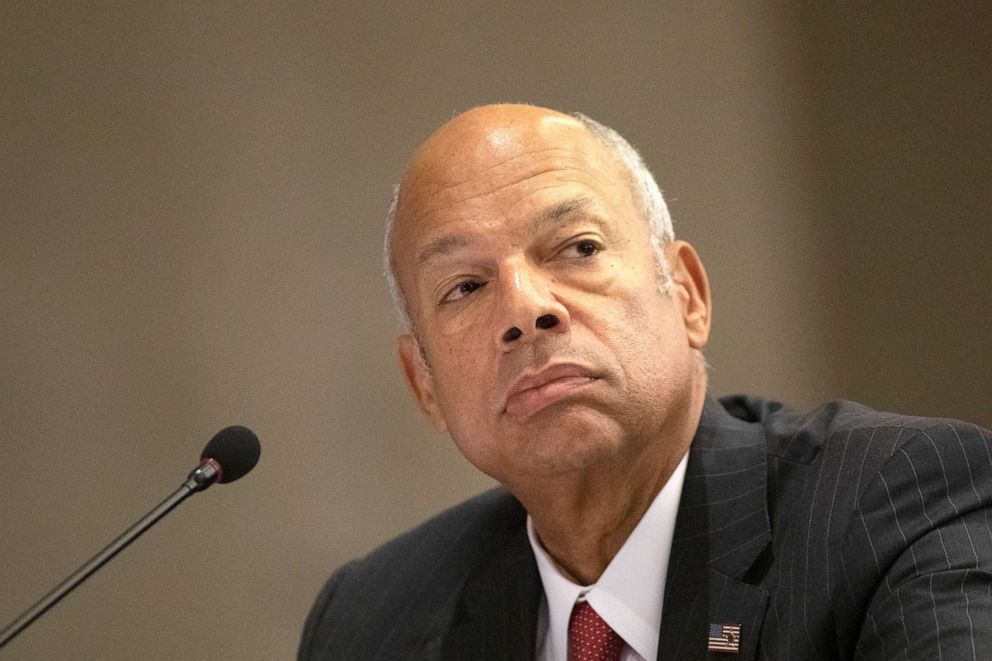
column 236, row 449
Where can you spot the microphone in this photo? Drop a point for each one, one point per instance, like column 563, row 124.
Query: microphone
column 229, row 456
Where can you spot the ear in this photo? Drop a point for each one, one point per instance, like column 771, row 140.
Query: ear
column 419, row 378
column 692, row 289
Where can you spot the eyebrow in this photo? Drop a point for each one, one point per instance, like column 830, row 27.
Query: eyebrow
column 549, row 217
column 441, row 247
column 552, row 215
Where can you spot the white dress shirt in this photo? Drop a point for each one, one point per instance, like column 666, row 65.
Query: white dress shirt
column 629, row 595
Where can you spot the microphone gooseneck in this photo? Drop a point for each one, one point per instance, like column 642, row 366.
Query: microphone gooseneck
column 229, row 455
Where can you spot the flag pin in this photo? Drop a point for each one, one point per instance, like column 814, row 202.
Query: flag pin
column 725, row 638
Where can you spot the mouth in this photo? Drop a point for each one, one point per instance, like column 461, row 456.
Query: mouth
column 532, row 393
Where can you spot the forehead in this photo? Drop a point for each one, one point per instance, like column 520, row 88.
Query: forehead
column 485, row 177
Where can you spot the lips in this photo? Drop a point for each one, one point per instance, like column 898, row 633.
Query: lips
column 533, row 392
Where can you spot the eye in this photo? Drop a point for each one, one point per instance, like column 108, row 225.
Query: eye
column 461, row 290
column 583, row 248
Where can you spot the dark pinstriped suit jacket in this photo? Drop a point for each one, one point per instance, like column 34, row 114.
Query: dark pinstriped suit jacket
column 845, row 533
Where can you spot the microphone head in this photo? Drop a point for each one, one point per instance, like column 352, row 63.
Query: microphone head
column 236, row 449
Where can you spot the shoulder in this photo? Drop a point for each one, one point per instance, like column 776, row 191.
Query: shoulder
column 848, row 462
column 463, row 531
column 422, row 568
column 806, row 437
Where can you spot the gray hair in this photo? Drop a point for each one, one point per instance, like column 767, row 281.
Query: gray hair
column 644, row 188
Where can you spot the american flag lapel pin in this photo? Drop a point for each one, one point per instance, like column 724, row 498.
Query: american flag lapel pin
column 725, row 638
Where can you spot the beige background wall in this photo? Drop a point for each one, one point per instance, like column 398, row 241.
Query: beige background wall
column 191, row 201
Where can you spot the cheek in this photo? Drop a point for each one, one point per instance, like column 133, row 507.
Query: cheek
column 649, row 338
column 461, row 325
column 463, row 383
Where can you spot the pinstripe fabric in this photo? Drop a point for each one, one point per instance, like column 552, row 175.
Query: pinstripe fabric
column 843, row 533
column 462, row 586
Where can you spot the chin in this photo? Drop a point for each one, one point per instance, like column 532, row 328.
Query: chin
column 571, row 441
column 557, row 440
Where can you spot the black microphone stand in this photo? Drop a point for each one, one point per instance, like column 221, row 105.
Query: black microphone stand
column 199, row 479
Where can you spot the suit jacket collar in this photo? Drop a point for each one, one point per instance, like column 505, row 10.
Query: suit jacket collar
column 725, row 495
column 496, row 617
column 719, row 552
column 721, row 547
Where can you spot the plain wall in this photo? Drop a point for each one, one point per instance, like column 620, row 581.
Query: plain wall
column 191, row 203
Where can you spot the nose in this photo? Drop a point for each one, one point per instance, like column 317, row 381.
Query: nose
column 529, row 308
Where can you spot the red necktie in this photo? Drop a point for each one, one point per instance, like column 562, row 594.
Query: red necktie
column 590, row 638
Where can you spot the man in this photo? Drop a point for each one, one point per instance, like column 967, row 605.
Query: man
column 554, row 330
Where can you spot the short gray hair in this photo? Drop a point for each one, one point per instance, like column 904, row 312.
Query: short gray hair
column 643, row 187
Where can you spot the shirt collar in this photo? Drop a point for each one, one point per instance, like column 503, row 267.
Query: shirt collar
column 630, row 593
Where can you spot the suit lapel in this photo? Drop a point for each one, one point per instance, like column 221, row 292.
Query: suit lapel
column 496, row 617
column 720, row 551
column 721, row 545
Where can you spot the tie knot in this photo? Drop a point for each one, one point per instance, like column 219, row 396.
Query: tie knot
column 590, row 638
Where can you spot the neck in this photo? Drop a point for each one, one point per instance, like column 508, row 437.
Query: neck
column 583, row 518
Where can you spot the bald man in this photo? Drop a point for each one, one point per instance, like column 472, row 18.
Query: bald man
column 554, row 327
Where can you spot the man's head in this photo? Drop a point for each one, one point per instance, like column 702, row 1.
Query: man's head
column 544, row 337
column 643, row 187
